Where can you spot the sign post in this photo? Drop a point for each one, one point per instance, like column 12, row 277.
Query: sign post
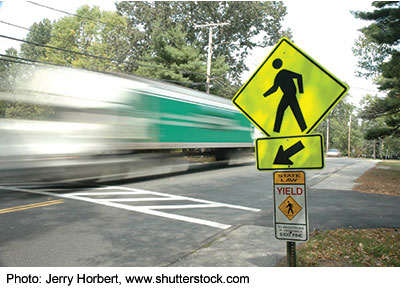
column 291, row 254
column 286, row 98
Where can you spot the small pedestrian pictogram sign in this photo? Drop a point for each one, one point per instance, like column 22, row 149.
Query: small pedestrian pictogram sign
column 290, row 208
column 290, row 93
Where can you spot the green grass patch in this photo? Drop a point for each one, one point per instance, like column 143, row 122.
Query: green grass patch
column 351, row 247
column 393, row 165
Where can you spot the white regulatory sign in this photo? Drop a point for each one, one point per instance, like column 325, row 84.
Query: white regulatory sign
column 290, row 206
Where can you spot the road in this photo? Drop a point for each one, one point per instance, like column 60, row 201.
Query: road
column 219, row 216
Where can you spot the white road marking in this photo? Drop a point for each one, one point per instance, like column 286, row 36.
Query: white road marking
column 137, row 199
column 193, row 199
column 182, row 206
column 104, row 193
column 147, row 209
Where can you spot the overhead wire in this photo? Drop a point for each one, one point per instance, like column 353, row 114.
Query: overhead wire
column 30, row 60
column 26, row 61
column 101, row 57
column 217, row 81
column 76, row 15
column 137, row 64
column 107, row 23
column 13, row 61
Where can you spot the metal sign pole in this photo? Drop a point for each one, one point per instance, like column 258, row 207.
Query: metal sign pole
column 291, row 253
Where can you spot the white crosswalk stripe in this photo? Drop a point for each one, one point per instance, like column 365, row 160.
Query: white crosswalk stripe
column 104, row 196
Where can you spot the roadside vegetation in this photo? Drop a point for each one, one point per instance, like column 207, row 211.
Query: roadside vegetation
column 351, row 248
column 383, row 179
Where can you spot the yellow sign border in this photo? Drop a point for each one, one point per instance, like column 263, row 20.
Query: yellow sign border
column 312, row 127
column 299, row 167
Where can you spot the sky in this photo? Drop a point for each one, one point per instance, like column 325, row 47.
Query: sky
column 325, row 30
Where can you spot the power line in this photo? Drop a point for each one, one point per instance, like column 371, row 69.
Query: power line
column 137, row 64
column 364, row 89
column 208, row 74
column 15, row 25
column 209, row 25
column 13, row 61
column 116, row 25
column 72, row 14
column 18, row 60
column 101, row 57
column 30, row 60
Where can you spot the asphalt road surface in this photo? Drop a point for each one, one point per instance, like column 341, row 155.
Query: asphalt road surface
column 219, row 216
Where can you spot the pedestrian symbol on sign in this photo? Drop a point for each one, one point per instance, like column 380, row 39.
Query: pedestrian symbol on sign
column 290, row 208
column 284, row 80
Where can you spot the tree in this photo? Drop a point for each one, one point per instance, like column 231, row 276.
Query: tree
column 8, row 69
column 232, row 42
column 379, row 57
column 173, row 59
column 39, row 33
column 377, row 145
column 92, row 32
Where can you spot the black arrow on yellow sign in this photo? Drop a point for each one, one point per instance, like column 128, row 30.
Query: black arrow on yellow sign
column 282, row 157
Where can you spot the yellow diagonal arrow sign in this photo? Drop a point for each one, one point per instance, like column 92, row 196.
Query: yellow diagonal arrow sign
column 290, row 152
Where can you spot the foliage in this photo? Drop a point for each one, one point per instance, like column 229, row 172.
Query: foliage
column 247, row 20
column 377, row 145
column 7, row 70
column 39, row 33
column 93, row 32
column 379, row 57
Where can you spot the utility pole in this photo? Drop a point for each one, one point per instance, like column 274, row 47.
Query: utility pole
column 348, row 148
column 327, row 133
column 210, row 34
column 374, row 149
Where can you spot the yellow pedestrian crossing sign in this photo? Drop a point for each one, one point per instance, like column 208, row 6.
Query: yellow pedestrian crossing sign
column 290, row 93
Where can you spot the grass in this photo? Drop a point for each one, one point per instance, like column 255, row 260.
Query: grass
column 351, row 248
column 383, row 179
column 393, row 165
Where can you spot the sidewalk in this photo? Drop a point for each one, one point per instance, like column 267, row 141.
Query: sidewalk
column 346, row 176
column 244, row 246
